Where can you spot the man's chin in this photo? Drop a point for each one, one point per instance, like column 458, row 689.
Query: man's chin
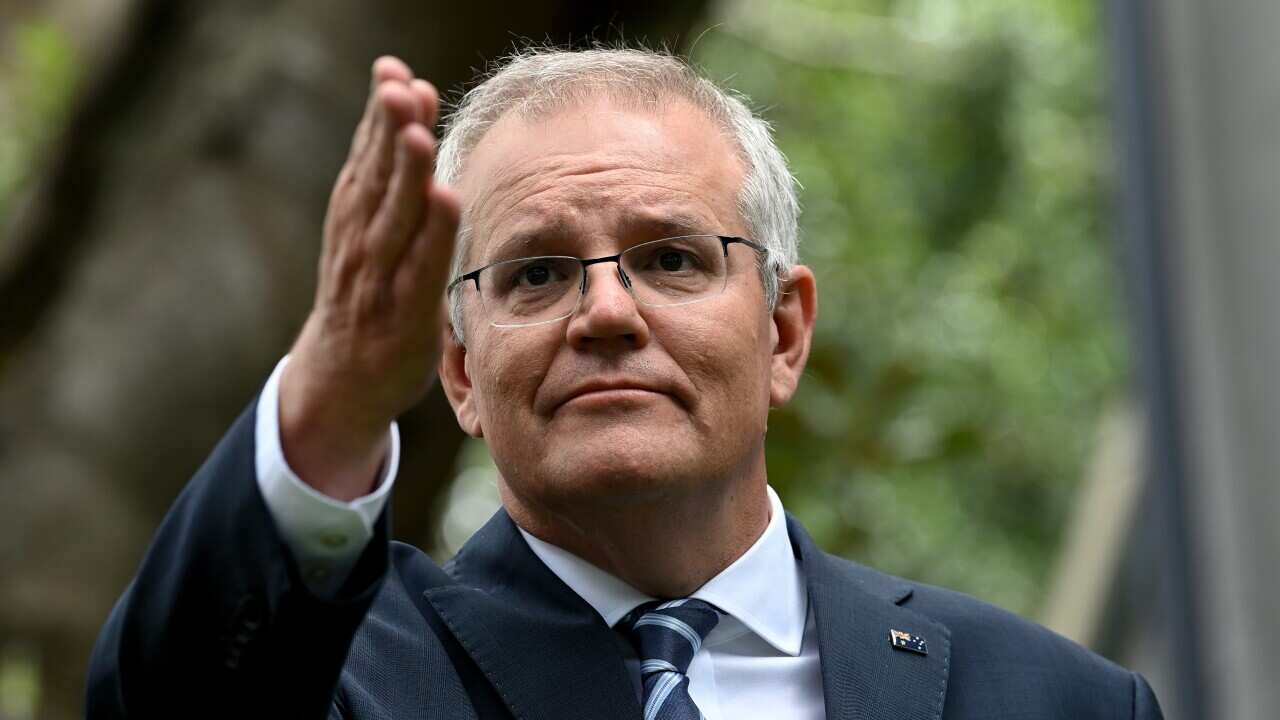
column 621, row 473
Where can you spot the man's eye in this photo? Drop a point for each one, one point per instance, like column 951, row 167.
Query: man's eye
column 674, row 260
column 535, row 275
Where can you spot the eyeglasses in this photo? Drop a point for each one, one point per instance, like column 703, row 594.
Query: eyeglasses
column 660, row 273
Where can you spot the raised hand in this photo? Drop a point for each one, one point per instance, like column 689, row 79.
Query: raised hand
column 368, row 349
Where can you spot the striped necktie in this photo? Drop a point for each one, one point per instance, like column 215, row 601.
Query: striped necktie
column 667, row 636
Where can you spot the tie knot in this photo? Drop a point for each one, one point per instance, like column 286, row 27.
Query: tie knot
column 668, row 634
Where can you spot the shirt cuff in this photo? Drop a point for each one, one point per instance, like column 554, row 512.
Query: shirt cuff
column 326, row 536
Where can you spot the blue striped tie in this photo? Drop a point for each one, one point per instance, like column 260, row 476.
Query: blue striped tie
column 667, row 636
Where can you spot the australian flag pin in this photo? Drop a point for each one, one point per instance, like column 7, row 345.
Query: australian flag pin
column 906, row 641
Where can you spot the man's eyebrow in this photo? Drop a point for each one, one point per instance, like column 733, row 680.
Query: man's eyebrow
column 672, row 225
column 511, row 243
column 520, row 242
column 645, row 226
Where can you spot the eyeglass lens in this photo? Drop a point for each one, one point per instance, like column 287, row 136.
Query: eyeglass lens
column 671, row 271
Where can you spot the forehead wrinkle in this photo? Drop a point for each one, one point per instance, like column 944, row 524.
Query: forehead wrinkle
column 555, row 205
column 515, row 183
column 556, row 173
column 618, row 158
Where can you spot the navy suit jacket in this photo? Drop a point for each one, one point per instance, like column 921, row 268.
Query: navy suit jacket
column 218, row 622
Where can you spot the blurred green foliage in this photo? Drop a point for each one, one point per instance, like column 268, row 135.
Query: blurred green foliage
column 38, row 74
column 955, row 160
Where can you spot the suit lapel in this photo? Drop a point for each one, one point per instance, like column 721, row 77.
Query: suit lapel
column 519, row 623
column 546, row 652
column 863, row 676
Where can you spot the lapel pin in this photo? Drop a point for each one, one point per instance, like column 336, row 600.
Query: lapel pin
column 906, row 641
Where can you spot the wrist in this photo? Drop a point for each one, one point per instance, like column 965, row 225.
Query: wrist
column 332, row 445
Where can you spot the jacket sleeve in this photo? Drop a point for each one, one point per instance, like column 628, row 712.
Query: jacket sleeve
column 1145, row 706
column 217, row 620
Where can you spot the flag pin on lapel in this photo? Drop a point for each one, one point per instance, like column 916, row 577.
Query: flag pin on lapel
column 906, row 641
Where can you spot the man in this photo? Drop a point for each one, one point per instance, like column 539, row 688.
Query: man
column 624, row 309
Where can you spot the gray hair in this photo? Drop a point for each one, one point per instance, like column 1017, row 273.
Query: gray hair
column 537, row 81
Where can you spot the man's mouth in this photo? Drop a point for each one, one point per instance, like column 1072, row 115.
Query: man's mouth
column 609, row 393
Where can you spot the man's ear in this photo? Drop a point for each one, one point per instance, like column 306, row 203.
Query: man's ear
column 456, row 381
column 793, row 321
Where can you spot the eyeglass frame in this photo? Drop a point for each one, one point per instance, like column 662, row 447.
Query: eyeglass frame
column 725, row 242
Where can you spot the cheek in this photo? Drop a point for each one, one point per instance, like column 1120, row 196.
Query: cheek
column 506, row 374
column 728, row 364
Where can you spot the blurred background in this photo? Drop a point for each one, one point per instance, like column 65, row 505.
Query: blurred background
column 1042, row 229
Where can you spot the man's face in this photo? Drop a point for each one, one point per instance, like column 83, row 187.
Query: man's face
column 620, row 402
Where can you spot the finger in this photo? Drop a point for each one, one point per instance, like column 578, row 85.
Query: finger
column 389, row 67
column 384, row 68
column 425, row 267
column 394, row 108
column 428, row 101
column 402, row 206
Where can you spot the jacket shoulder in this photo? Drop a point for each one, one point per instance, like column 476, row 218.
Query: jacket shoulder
column 1003, row 665
column 1002, row 660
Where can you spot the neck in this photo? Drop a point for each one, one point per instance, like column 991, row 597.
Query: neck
column 667, row 548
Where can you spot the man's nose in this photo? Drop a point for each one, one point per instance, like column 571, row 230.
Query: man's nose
column 607, row 311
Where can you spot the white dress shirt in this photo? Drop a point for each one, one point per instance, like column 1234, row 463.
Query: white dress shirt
column 760, row 661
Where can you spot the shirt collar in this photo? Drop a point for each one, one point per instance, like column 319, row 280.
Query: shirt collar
column 763, row 589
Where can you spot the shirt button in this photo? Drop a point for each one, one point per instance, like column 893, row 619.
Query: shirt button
column 318, row 573
column 333, row 539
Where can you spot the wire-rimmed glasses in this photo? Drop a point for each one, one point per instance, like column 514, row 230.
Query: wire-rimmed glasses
column 659, row 273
